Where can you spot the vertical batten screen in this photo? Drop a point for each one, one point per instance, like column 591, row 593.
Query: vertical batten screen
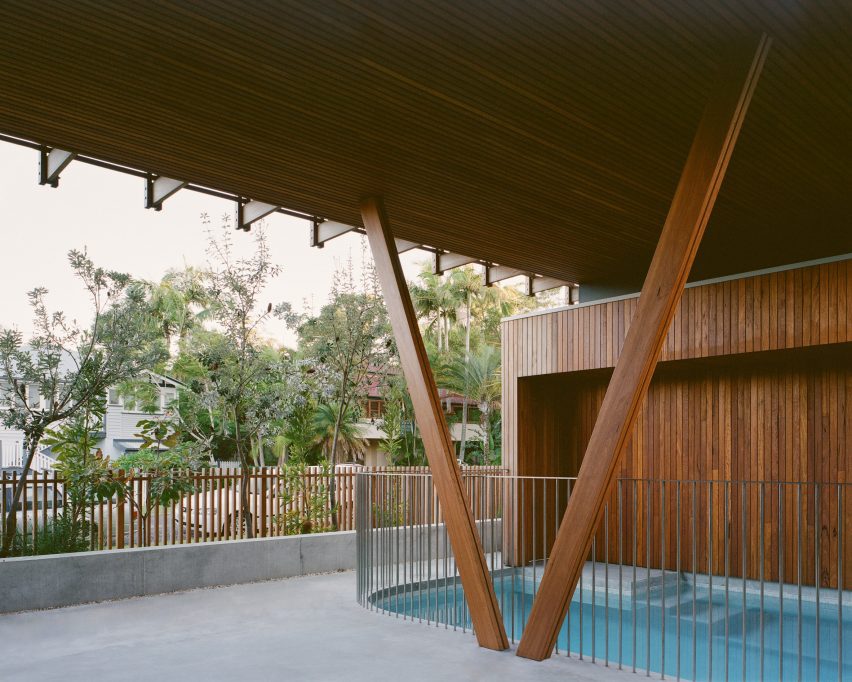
column 697, row 580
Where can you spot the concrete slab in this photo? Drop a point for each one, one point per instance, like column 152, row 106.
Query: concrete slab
column 307, row 628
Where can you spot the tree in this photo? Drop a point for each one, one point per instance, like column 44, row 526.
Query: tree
column 350, row 342
column 179, row 302
column 480, row 375
column 66, row 367
column 163, row 462
column 241, row 388
column 402, row 441
column 327, row 428
column 82, row 468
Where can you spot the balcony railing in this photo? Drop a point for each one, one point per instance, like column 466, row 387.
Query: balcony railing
column 694, row 580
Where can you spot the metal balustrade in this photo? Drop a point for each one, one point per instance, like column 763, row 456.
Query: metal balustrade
column 693, row 580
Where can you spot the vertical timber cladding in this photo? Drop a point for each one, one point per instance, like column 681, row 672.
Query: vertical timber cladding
column 754, row 383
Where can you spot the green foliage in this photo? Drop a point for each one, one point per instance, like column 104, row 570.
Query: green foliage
column 325, row 422
column 165, row 464
column 349, row 344
column 85, row 472
column 71, row 367
column 306, row 509
column 402, row 442
column 62, row 534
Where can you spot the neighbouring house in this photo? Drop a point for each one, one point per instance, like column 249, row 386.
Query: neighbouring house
column 119, row 432
column 372, row 414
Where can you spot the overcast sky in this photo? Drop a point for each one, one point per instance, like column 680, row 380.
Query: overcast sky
column 102, row 211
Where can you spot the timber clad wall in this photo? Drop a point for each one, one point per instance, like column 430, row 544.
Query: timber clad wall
column 754, row 384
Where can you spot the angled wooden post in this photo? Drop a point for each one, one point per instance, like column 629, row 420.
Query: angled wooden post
column 688, row 215
column 467, row 548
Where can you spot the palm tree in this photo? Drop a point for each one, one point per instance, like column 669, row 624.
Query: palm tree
column 436, row 299
column 324, row 421
column 179, row 302
column 466, row 284
column 480, row 377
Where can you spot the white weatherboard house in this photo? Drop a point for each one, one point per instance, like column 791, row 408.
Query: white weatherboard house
column 119, row 430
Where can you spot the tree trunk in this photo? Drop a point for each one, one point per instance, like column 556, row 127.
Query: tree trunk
column 486, row 446
column 11, row 525
column 245, row 497
column 332, row 494
column 466, row 382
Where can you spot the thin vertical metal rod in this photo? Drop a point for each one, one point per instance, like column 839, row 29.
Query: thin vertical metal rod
column 620, row 571
column 744, row 557
column 513, row 554
column 594, row 600
column 677, row 568
column 694, row 586
column 606, row 584
column 780, row 582
column 556, row 517
column 762, row 570
column 633, row 591
column 523, row 483
column 663, row 575
column 725, row 529
column 648, row 505
column 840, row 490
column 799, row 579
column 817, row 532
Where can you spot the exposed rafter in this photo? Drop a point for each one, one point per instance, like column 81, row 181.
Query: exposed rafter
column 403, row 245
column 443, row 261
column 497, row 273
column 51, row 164
column 323, row 231
column 158, row 189
column 536, row 284
column 249, row 212
column 326, row 230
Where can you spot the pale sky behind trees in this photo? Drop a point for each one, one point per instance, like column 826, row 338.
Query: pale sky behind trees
column 103, row 211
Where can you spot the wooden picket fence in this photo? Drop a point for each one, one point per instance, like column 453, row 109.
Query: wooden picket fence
column 211, row 512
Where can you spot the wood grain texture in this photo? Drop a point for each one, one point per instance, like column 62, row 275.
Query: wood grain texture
column 467, row 548
column 775, row 312
column 781, row 417
column 546, row 135
column 687, row 219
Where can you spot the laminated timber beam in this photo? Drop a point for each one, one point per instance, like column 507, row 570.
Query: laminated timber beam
column 323, row 231
column 444, row 261
column 535, row 285
column 464, row 537
column 249, row 212
column 51, row 163
column 497, row 273
column 326, row 230
column 688, row 215
column 158, row 189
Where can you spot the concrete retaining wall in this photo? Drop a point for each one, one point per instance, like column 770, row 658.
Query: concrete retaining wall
column 29, row 583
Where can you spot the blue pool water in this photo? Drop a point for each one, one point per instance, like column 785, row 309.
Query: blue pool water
column 767, row 639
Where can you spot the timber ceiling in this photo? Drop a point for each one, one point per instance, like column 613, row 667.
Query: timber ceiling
column 543, row 135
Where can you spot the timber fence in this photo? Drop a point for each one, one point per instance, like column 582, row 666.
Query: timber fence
column 280, row 502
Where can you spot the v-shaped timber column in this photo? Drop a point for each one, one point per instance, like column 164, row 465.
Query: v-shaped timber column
column 470, row 559
column 688, row 215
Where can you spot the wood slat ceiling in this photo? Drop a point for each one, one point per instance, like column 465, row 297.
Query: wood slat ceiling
column 543, row 135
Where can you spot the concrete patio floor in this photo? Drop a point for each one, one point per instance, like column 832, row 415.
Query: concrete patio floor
column 307, row 628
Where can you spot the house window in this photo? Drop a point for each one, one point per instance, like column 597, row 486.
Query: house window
column 113, row 397
column 374, row 409
column 167, row 395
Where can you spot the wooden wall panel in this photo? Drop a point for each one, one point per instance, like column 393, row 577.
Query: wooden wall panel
column 776, row 417
column 796, row 308
column 754, row 384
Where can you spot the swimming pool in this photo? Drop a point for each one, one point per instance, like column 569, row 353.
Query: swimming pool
column 692, row 629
